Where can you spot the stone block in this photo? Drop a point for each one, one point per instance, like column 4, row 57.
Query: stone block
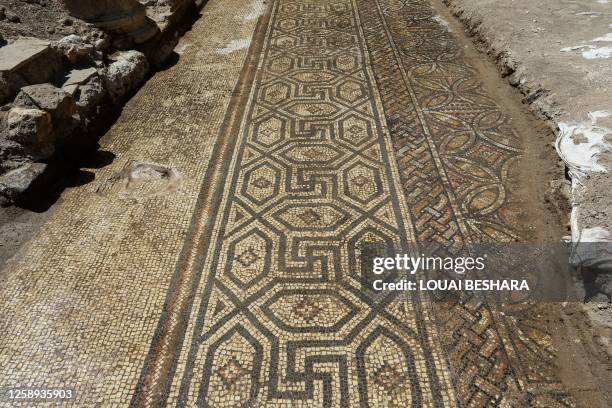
column 75, row 49
column 29, row 126
column 125, row 74
column 27, row 61
column 16, row 182
column 21, row 52
column 55, row 101
column 124, row 20
column 90, row 95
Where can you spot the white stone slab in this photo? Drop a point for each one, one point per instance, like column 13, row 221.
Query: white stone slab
column 22, row 51
column 79, row 76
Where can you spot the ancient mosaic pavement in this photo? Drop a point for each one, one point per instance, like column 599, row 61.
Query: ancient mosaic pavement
column 346, row 125
column 358, row 123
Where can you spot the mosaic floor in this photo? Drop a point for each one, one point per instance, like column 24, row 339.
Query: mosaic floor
column 353, row 122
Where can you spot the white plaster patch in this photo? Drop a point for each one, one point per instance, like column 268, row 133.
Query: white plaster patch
column 579, row 144
column 598, row 114
column 575, row 47
column 597, row 234
column 602, row 1
column 235, row 45
column 605, row 38
column 442, row 22
column 591, row 51
column 257, row 10
column 598, row 53
column 183, row 47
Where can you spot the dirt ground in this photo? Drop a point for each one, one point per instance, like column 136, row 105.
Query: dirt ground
column 49, row 19
column 45, row 19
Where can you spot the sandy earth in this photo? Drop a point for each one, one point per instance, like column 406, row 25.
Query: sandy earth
column 549, row 49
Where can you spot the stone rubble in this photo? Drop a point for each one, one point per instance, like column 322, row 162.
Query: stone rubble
column 125, row 73
column 28, row 125
column 78, row 77
column 76, row 49
column 58, row 103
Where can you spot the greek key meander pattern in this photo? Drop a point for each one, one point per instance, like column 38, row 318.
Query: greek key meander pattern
column 283, row 317
column 363, row 125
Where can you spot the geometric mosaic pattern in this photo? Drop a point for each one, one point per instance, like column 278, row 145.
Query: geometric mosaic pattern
column 455, row 148
column 360, row 124
column 282, row 316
